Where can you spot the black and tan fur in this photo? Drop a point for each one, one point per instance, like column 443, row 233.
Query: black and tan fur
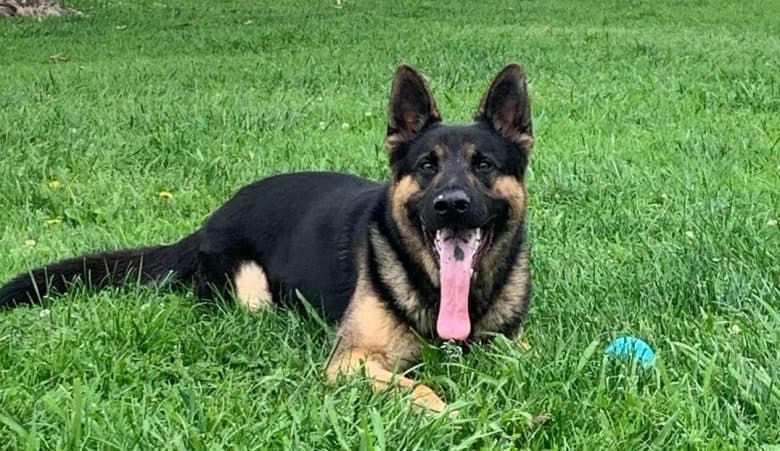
column 358, row 250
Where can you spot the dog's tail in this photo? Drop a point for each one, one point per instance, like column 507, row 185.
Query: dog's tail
column 175, row 262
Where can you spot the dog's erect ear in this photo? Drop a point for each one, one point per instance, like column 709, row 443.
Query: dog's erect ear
column 507, row 109
column 411, row 109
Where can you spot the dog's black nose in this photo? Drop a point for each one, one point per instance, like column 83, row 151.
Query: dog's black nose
column 453, row 202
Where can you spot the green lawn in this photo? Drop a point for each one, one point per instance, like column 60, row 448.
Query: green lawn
column 655, row 198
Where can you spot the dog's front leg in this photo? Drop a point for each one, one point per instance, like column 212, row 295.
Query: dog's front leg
column 371, row 337
column 349, row 360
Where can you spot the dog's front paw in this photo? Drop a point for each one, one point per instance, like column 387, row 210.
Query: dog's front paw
column 426, row 400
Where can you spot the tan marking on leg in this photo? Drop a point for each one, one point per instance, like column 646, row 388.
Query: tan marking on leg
column 353, row 360
column 371, row 338
column 252, row 287
column 369, row 325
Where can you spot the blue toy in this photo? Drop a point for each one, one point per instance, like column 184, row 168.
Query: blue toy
column 632, row 347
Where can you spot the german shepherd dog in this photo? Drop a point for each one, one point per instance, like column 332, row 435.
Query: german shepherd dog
column 437, row 253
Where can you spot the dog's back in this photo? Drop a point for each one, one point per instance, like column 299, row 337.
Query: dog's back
column 303, row 230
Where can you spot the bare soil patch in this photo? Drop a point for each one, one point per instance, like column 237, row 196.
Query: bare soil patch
column 35, row 8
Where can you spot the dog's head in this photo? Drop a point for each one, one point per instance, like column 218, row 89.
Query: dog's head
column 458, row 191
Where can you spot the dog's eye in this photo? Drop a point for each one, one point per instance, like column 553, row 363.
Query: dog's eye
column 484, row 166
column 427, row 166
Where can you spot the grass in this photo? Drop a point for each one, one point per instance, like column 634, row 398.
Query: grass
column 654, row 209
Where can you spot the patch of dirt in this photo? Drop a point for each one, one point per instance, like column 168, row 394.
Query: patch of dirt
column 35, row 8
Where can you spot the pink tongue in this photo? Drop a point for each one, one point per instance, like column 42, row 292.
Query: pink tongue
column 456, row 253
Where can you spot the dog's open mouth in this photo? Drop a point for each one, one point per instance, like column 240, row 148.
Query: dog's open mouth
column 478, row 240
column 458, row 252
